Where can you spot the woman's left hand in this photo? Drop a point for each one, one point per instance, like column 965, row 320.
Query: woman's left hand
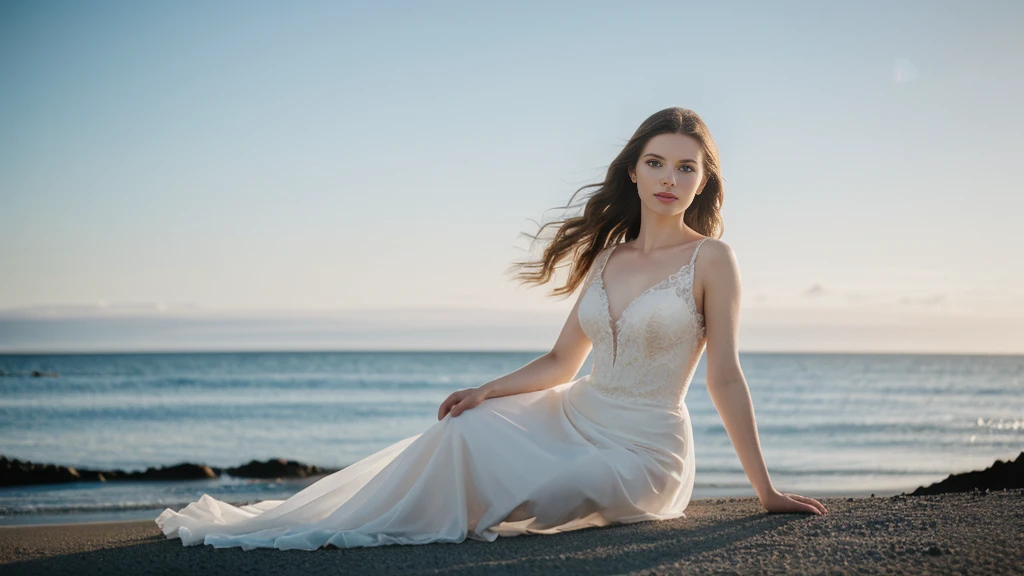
column 778, row 502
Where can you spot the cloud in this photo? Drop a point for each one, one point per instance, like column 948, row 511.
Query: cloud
column 927, row 300
column 815, row 291
column 103, row 309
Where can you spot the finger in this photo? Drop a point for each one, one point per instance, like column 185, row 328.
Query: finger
column 818, row 505
column 450, row 401
column 462, row 407
column 815, row 506
column 799, row 498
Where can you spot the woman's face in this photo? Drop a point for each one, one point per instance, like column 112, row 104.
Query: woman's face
column 670, row 173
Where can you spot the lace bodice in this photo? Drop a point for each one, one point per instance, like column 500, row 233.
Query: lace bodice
column 649, row 355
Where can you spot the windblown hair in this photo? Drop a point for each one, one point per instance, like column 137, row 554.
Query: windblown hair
column 612, row 212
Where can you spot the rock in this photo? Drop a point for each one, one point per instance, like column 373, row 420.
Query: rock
column 999, row 476
column 39, row 374
column 275, row 468
column 94, row 475
column 17, row 473
column 184, row 471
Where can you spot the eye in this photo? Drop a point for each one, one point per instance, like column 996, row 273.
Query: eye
column 687, row 166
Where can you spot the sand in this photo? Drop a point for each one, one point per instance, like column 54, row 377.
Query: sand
column 966, row 533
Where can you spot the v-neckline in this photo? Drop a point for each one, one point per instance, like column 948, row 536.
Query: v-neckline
column 613, row 323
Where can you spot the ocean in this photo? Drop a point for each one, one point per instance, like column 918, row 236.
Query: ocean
column 829, row 424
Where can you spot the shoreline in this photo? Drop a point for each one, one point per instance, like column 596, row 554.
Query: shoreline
column 1008, row 474
column 75, row 517
column 973, row 531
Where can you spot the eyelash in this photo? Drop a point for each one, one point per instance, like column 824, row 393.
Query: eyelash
column 684, row 165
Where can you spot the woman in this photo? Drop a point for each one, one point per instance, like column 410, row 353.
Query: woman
column 536, row 452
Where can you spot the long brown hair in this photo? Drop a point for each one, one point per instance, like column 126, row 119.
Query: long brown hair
column 612, row 213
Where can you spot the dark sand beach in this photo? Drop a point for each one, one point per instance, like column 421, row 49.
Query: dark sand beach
column 957, row 533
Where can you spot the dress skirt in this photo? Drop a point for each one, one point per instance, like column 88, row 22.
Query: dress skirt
column 554, row 460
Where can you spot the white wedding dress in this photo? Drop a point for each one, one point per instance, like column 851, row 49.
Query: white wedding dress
column 614, row 446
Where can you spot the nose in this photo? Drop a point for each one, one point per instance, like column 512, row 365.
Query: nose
column 669, row 179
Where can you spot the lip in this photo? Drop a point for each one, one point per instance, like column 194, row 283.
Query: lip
column 666, row 196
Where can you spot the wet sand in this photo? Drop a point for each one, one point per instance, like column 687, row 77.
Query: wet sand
column 964, row 533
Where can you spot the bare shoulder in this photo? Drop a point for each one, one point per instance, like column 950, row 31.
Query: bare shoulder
column 717, row 253
column 717, row 270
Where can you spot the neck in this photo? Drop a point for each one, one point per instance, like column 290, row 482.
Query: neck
column 658, row 232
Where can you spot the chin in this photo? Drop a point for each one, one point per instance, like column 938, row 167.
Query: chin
column 672, row 208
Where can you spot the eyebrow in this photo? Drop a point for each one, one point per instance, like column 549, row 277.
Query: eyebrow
column 659, row 157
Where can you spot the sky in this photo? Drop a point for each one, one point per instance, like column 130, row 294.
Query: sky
column 333, row 164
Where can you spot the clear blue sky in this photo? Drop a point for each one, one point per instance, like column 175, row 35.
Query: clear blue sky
column 258, row 156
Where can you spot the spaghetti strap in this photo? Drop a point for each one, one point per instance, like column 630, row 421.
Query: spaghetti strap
column 694, row 257
column 597, row 268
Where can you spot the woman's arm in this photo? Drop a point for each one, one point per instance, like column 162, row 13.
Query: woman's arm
column 556, row 367
column 725, row 382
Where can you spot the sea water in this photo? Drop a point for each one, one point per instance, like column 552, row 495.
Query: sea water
column 828, row 424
